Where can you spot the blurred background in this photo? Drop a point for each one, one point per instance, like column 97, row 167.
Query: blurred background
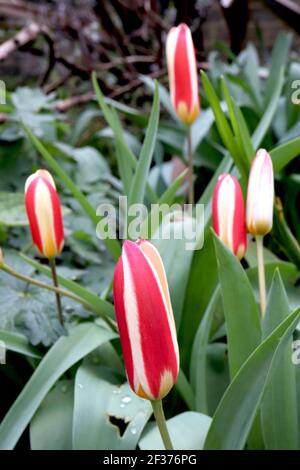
column 57, row 42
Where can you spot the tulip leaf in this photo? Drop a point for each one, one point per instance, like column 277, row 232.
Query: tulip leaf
column 187, row 431
column 238, row 408
column 240, row 308
column 122, row 151
column 279, row 407
column 51, row 426
column 151, row 223
column 184, row 388
column 241, row 132
column 221, row 121
column 95, row 427
column 198, row 358
column 18, row 343
column 140, row 177
column 173, row 245
column 68, row 350
column 285, row 153
column 200, row 285
column 279, row 60
column 268, row 115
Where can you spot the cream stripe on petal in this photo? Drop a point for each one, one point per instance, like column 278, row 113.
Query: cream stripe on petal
column 132, row 321
column 226, row 207
column 154, row 259
column 44, row 214
column 166, row 383
column 47, row 176
column 29, row 181
column 170, row 51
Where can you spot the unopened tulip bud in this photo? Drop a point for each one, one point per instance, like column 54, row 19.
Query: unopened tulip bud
column 44, row 214
column 229, row 214
column 145, row 319
column 1, row 258
column 260, row 196
column 182, row 71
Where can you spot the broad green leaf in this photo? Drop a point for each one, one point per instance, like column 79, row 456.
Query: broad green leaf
column 241, row 132
column 127, row 161
column 279, row 60
column 184, row 388
column 51, row 426
column 187, row 431
column 221, row 121
column 68, row 350
column 240, row 308
column 268, row 115
column 122, row 151
column 217, row 374
column 142, row 170
column 18, row 343
column 285, row 153
column 279, row 406
column 151, row 223
column 201, row 283
column 238, row 408
column 172, row 241
column 198, row 357
column 95, row 427
column 201, row 127
column 112, row 245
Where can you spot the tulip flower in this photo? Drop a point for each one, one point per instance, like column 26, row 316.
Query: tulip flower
column 182, row 70
column 183, row 79
column 145, row 319
column 229, row 214
column 260, row 206
column 146, row 325
column 260, row 197
column 44, row 214
column 45, row 220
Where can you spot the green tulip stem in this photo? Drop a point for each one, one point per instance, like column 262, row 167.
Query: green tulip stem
column 52, row 265
column 190, row 165
column 161, row 423
column 261, row 274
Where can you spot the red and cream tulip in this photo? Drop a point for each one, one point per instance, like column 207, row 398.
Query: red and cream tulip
column 182, row 71
column 145, row 320
column 44, row 214
column 260, row 196
column 229, row 214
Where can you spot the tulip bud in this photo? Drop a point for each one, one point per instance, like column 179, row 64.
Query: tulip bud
column 182, row 71
column 229, row 214
column 145, row 319
column 1, row 259
column 44, row 213
column 260, row 196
